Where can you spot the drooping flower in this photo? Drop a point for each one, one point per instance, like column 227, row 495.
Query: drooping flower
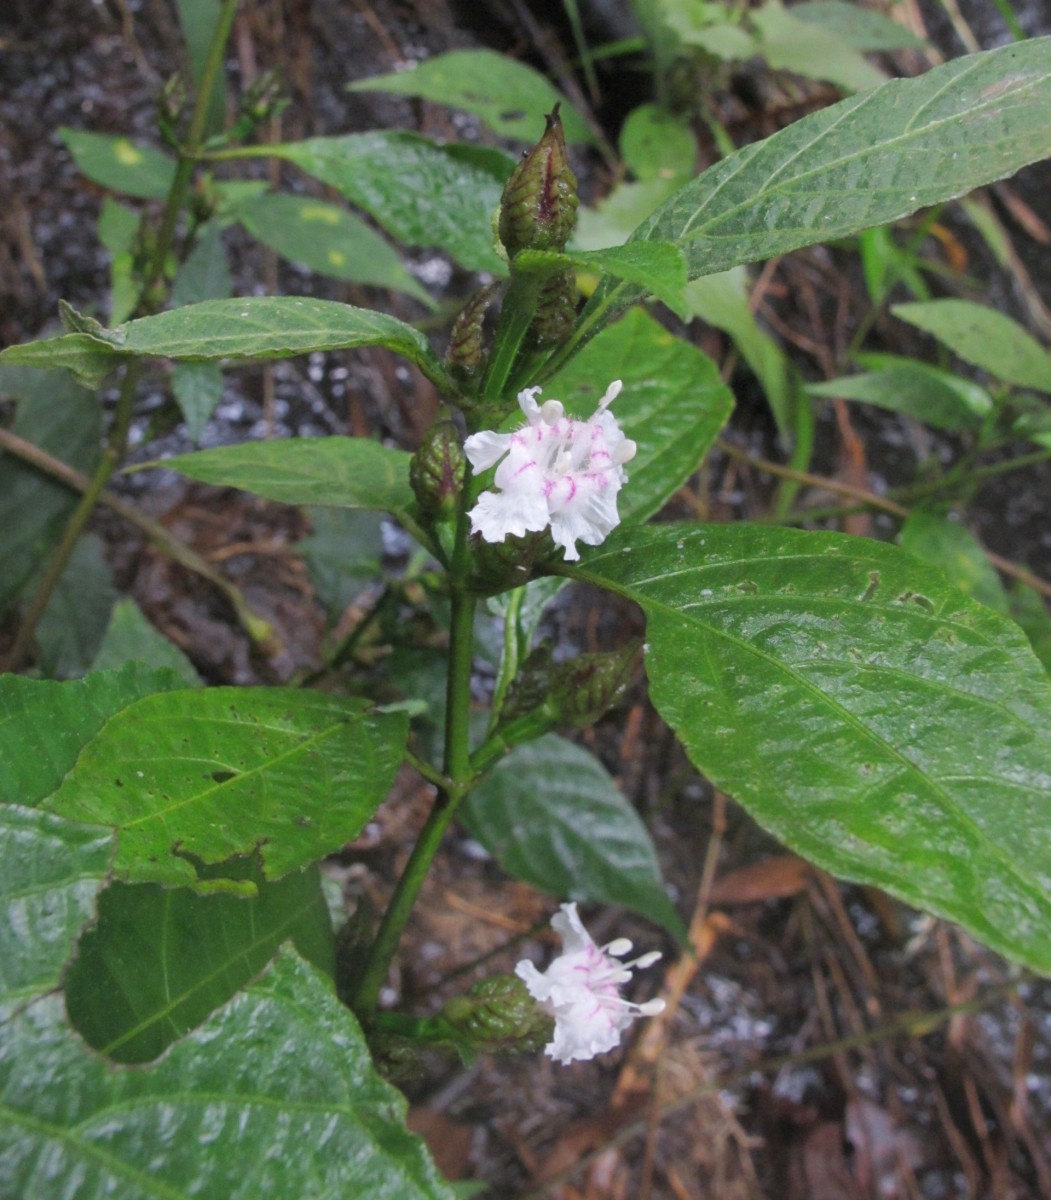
column 556, row 471
column 581, row 990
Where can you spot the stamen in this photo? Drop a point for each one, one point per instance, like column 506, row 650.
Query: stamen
column 626, row 451
column 552, row 411
column 612, row 392
column 618, row 947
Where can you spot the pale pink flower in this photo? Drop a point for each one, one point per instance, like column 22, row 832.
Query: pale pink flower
column 581, row 990
column 558, row 472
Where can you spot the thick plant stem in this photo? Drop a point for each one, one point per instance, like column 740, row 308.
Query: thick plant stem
column 116, row 444
column 458, row 773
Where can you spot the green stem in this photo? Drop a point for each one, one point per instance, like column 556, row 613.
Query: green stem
column 457, row 767
column 116, row 444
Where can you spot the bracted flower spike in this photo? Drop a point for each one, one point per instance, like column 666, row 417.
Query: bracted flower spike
column 581, row 990
column 558, row 471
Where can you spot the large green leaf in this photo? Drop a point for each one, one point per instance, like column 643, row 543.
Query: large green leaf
column 160, row 960
column 211, row 774
column 58, row 416
column 44, row 725
column 551, row 814
column 275, row 1096
column 119, row 163
column 253, row 328
column 424, row 194
column 673, row 404
column 510, row 97
column 50, row 871
column 328, row 239
column 868, row 160
column 341, row 472
column 982, row 336
column 130, row 637
column 863, row 709
column 812, row 50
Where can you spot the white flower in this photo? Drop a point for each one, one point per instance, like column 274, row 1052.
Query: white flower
column 581, row 990
column 558, row 471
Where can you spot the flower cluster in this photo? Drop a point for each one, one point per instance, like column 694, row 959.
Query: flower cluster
column 558, row 471
column 581, row 990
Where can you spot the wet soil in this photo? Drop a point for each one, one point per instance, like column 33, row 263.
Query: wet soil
column 798, row 1057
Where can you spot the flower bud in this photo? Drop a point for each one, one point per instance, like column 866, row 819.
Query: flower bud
column 539, row 206
column 437, row 470
column 556, row 310
column 498, row 1015
column 466, row 350
column 576, row 692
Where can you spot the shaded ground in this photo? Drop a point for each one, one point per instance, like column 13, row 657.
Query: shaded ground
column 796, row 1059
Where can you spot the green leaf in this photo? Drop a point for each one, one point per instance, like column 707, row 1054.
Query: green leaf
column 551, row 815
column 706, row 27
column 814, row 51
column 1029, row 609
column 441, row 197
column 932, row 538
column 275, row 1096
column 861, row 28
column 131, row 638
column 343, row 554
column 43, row 725
column 510, row 97
column 328, row 239
column 88, row 359
column 118, row 230
column 57, row 415
column 673, row 405
column 722, row 300
column 212, row 774
column 925, row 393
column 205, row 275
column 197, row 388
column 342, row 472
column 161, row 960
column 657, row 144
column 117, row 162
column 254, row 328
column 659, row 267
column 74, row 623
column 198, row 19
column 864, row 711
column 615, row 217
column 867, row 160
column 983, row 337
column 50, row 872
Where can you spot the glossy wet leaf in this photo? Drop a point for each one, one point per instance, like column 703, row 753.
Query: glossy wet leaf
column 551, row 815
column 254, row 328
column 212, row 774
column 119, row 163
column 673, row 404
column 130, row 637
column 44, row 724
column 983, row 337
column 329, row 240
column 274, row 1096
column 50, row 872
column 867, row 160
column 339, row 471
column 863, row 710
column 509, row 96
column 425, row 194
column 161, row 960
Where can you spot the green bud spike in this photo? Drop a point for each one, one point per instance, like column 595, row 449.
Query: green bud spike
column 437, row 471
column 466, row 352
column 556, row 311
column 539, row 206
column 498, row 1015
column 576, row 692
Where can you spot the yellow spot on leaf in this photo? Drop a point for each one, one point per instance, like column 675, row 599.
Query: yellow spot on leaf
column 127, row 154
column 336, row 258
column 320, row 212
